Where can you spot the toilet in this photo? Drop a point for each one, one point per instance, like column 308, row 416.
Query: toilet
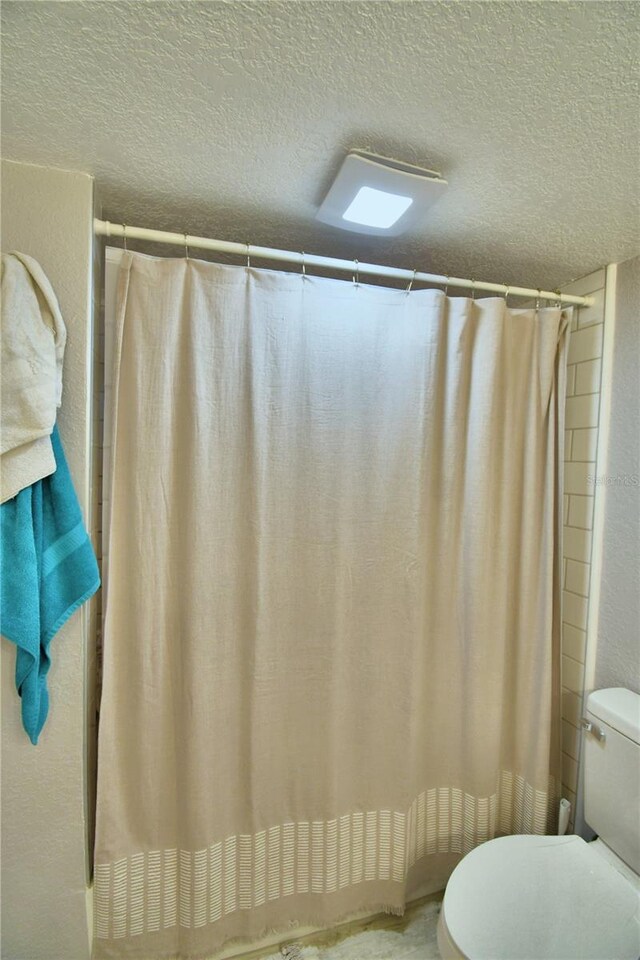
column 557, row 898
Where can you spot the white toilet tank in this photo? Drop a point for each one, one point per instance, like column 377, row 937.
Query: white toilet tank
column 612, row 771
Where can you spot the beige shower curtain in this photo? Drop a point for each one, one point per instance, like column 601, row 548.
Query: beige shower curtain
column 331, row 650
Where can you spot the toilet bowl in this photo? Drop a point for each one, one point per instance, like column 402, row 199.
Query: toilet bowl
column 540, row 898
column 531, row 897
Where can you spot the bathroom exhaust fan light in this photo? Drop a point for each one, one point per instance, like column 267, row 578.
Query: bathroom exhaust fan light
column 379, row 196
column 375, row 208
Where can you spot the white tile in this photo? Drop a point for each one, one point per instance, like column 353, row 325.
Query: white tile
column 594, row 313
column 567, row 444
column 585, row 344
column 569, row 772
column 577, row 544
column 585, row 286
column 571, row 705
column 584, row 444
column 577, row 577
column 582, row 411
column 570, row 740
column 574, row 610
column 574, row 642
column 588, row 376
column 577, row 478
column 581, row 512
column 571, row 379
column 572, row 674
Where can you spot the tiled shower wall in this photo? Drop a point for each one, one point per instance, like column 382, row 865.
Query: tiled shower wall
column 94, row 654
column 582, row 421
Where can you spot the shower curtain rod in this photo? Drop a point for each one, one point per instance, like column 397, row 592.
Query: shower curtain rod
column 105, row 228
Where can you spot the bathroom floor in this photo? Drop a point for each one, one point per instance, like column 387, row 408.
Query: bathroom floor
column 411, row 937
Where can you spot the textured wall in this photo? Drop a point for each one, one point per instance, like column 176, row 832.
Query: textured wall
column 618, row 652
column 230, row 120
column 47, row 214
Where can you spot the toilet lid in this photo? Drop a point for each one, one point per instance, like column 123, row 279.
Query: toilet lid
column 524, row 897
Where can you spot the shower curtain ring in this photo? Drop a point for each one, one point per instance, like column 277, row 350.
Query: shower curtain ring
column 559, row 296
column 506, row 294
column 124, row 235
column 473, row 290
column 538, row 299
column 186, row 247
column 304, row 270
column 446, row 286
column 356, row 276
column 408, row 290
column 248, row 257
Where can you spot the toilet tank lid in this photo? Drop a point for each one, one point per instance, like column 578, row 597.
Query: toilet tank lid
column 618, row 708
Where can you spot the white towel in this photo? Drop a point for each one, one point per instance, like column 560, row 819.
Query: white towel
column 33, row 341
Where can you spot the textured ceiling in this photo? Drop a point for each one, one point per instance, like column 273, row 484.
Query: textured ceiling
column 230, row 120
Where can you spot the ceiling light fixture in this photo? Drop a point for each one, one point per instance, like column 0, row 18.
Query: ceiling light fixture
column 379, row 196
column 375, row 208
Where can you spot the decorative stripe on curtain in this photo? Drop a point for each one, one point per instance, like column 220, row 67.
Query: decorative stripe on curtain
column 331, row 658
column 139, row 894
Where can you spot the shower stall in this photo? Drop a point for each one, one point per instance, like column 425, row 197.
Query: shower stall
column 332, row 527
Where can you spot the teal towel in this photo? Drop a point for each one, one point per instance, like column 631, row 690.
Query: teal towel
column 48, row 570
